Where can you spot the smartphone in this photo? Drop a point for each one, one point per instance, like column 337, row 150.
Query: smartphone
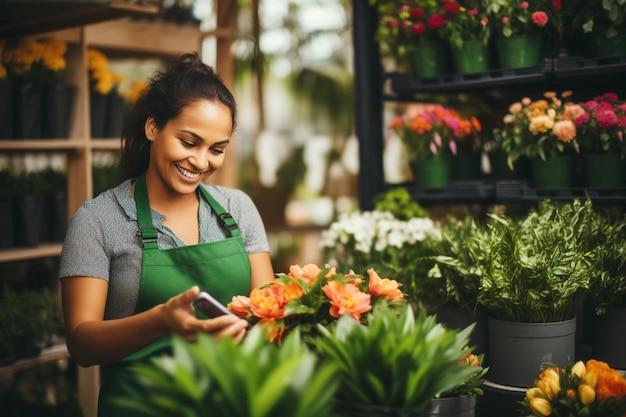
column 209, row 306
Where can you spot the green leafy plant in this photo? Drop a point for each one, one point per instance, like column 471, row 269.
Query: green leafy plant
column 454, row 279
column 607, row 286
column 396, row 360
column 533, row 269
column 606, row 16
column 19, row 337
column 253, row 379
column 399, row 202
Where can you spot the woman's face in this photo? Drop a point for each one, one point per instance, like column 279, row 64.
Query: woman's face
column 190, row 147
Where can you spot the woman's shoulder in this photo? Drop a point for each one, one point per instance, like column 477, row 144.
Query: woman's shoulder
column 109, row 201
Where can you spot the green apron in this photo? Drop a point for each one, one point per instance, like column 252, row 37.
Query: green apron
column 221, row 268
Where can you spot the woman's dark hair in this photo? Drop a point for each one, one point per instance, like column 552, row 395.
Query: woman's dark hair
column 185, row 81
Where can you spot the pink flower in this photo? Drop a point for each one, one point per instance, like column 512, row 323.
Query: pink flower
column 433, row 148
column 524, row 5
column 605, row 116
column 472, row 12
column 582, row 119
column 504, row 20
column 452, row 146
column 437, row 139
column 540, row 18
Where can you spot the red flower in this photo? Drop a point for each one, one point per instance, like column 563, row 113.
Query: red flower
column 436, row 21
column 417, row 13
column 540, row 18
column 418, row 29
column 556, row 5
column 393, row 23
column 451, row 7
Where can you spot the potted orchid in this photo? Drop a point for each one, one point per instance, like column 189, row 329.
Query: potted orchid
column 544, row 131
column 522, row 28
column 602, row 125
column 308, row 296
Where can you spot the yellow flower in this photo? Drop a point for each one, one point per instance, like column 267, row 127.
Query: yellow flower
column 53, row 54
column 579, row 369
column 541, row 406
column 586, row 394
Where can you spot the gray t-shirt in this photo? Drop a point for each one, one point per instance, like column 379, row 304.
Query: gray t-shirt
column 102, row 240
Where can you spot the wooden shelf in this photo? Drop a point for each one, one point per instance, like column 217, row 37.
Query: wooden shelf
column 51, row 354
column 136, row 37
column 29, row 17
column 20, row 254
column 41, row 144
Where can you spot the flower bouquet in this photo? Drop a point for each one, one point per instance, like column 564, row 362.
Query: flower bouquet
column 309, row 295
column 583, row 389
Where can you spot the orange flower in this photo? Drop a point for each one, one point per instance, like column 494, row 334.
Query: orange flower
column 307, row 273
column 610, row 382
column 384, row 287
column 274, row 332
column 346, row 299
column 268, row 302
column 240, row 305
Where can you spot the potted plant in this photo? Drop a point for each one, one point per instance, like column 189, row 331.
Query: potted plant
column 309, row 296
column 413, row 34
column 582, row 389
column 28, row 208
column 106, row 103
column 450, row 288
column 430, row 134
column 7, row 193
column 521, row 29
column 395, row 364
column 469, row 32
column 602, row 22
column 21, row 338
column 607, row 290
column 602, row 146
column 532, row 271
column 544, row 131
column 220, row 378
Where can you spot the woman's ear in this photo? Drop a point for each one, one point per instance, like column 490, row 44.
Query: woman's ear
column 150, row 129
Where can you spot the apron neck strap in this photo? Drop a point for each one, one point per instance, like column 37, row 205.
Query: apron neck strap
column 144, row 216
column 226, row 219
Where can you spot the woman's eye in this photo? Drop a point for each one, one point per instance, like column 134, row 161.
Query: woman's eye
column 187, row 143
column 217, row 150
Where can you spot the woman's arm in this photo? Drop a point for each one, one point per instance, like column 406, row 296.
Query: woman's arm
column 262, row 270
column 92, row 340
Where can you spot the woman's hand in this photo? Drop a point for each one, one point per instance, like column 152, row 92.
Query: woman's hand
column 180, row 318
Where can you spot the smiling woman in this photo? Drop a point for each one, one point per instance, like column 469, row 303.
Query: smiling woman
column 162, row 220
